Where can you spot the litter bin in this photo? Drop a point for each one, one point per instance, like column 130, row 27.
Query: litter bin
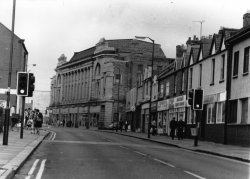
column 194, row 131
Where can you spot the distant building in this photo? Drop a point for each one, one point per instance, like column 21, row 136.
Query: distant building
column 85, row 89
column 19, row 63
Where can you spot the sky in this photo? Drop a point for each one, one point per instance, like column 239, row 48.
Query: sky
column 54, row 27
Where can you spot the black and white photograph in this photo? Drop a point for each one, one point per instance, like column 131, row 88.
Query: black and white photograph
column 124, row 89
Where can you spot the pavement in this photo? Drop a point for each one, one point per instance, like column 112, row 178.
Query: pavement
column 239, row 153
column 13, row 155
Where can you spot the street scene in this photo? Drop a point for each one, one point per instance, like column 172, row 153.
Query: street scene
column 128, row 89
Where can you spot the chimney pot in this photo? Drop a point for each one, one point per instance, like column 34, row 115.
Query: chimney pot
column 246, row 19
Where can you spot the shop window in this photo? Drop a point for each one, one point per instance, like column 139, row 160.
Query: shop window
column 244, row 110
column 220, row 116
column 233, row 111
column 211, row 113
column 246, row 60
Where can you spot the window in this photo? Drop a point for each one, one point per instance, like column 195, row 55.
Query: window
column 161, row 90
column 222, row 68
column 190, row 78
column 246, row 60
column 233, row 111
column 210, row 113
column 182, row 83
column 200, row 77
column 220, row 116
column 167, row 88
column 140, row 68
column 175, row 78
column 212, row 71
column 236, row 64
column 244, row 110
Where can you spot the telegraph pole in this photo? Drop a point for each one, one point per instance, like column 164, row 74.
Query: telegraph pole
column 7, row 113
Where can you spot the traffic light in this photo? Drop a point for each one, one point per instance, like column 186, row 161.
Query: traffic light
column 22, row 83
column 198, row 99
column 31, row 87
column 191, row 98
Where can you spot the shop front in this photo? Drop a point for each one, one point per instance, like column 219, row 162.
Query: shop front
column 163, row 120
column 145, row 117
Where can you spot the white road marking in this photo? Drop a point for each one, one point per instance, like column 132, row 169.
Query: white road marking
column 40, row 172
column 123, row 147
column 54, row 136
column 140, row 153
column 165, row 163
column 197, row 176
column 32, row 169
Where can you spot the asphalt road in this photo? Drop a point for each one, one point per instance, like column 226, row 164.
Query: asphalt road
column 80, row 153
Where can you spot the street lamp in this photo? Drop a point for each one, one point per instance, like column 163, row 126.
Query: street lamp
column 151, row 79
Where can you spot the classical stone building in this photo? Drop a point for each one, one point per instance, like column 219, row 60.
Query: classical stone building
column 85, row 89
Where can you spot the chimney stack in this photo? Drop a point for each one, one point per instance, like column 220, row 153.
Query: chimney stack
column 246, row 19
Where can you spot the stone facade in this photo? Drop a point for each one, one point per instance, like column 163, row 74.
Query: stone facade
column 85, row 89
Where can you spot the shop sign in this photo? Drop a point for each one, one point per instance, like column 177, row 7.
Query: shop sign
column 72, row 110
column 163, row 105
column 171, row 103
column 222, row 96
column 180, row 101
column 65, row 111
column 210, row 99
column 154, row 107
column 145, row 106
column 83, row 109
column 95, row 109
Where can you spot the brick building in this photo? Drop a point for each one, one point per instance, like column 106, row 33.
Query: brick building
column 19, row 63
column 85, row 88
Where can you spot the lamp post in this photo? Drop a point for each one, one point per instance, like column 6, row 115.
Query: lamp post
column 151, row 79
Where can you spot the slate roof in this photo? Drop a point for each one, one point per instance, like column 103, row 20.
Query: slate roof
column 83, row 54
column 206, row 46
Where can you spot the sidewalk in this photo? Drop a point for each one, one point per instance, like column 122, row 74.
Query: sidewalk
column 228, row 151
column 13, row 155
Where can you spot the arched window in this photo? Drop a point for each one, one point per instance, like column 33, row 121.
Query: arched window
column 97, row 70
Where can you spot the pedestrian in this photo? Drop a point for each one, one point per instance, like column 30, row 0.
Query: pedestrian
column 153, row 125
column 126, row 126
column 180, row 128
column 121, row 125
column 13, row 118
column 173, row 126
column 38, row 121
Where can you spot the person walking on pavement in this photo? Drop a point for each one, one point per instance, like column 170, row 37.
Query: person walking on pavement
column 180, row 128
column 126, row 126
column 153, row 125
column 173, row 126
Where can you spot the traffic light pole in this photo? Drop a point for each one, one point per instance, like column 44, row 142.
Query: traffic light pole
column 197, row 112
column 22, row 116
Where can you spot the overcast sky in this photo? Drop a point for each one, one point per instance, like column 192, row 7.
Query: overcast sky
column 54, row 27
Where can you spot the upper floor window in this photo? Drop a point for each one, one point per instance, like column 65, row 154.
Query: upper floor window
column 246, row 60
column 175, row 83
column 182, row 82
column 167, row 88
column 236, row 64
column 190, row 78
column 222, row 68
column 212, row 71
